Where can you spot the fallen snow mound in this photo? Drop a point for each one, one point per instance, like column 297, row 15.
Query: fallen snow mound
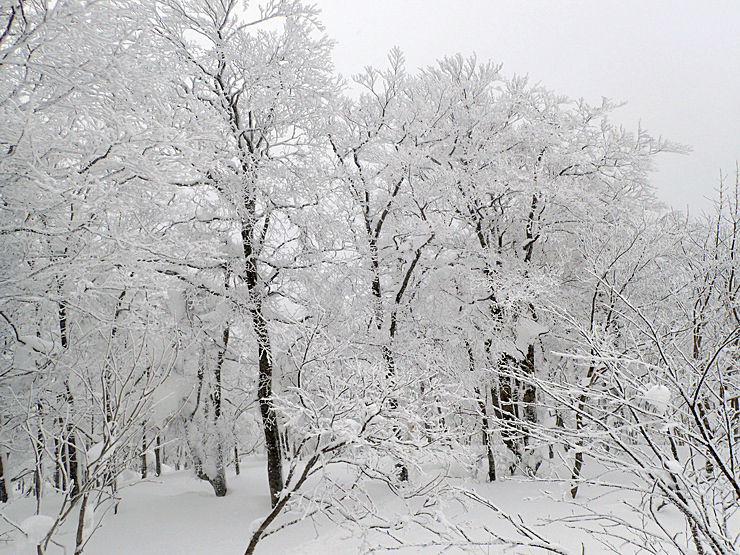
column 658, row 396
column 37, row 527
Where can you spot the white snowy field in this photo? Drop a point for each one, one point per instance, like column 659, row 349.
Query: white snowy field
column 177, row 514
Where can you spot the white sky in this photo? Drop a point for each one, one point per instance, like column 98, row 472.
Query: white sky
column 676, row 63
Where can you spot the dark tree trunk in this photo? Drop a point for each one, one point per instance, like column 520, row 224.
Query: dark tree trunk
column 577, row 467
column 38, row 478
column 109, row 400
column 144, row 472
column 264, row 349
column 218, row 482
column 529, row 405
column 63, row 325
column 3, row 482
column 72, row 463
column 703, row 407
column 158, row 455
column 485, row 425
column 578, row 459
column 529, row 392
column 515, row 403
column 403, row 472
column 505, row 409
column 80, row 540
column 68, row 451
column 269, row 417
column 486, row 436
column 59, row 469
column 236, row 460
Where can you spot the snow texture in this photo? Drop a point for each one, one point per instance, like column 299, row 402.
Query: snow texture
column 170, row 397
column 658, row 396
column 31, row 351
column 177, row 304
column 674, row 466
column 36, row 528
column 527, row 331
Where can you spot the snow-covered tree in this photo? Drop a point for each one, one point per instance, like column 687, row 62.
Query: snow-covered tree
column 85, row 101
column 263, row 75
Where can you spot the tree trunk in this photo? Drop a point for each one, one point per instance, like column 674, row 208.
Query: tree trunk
column 529, row 393
column 37, row 474
column 703, row 407
column 505, row 409
column 264, row 349
column 485, row 426
column 80, row 540
column 269, row 417
column 59, row 470
column 72, row 461
column 158, row 455
column 486, row 436
column 143, row 457
column 529, row 406
column 218, row 481
column 578, row 461
column 3, row 481
column 577, row 467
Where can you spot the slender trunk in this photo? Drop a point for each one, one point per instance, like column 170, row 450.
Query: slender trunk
column 577, row 467
column 236, row 460
column 390, row 371
column 63, row 325
column 518, row 409
column 529, row 405
column 66, row 465
column 505, row 409
column 109, row 399
column 213, row 410
column 3, row 484
column 250, row 245
column 403, row 473
column 217, row 386
column 143, row 457
column 529, row 392
column 80, row 541
column 531, row 234
column 219, row 480
column 578, row 459
column 69, row 447
column 74, row 471
column 486, row 435
column 197, row 460
column 702, row 408
column 485, row 427
column 38, row 451
column 267, row 411
column 703, row 405
column 158, row 455
column 59, row 470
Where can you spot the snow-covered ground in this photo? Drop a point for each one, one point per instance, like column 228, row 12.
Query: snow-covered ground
column 177, row 514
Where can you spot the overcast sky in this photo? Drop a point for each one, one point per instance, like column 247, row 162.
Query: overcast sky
column 676, row 63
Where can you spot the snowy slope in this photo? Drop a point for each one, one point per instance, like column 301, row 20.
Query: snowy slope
column 177, row 514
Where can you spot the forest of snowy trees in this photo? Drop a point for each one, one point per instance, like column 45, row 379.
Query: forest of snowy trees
column 213, row 248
